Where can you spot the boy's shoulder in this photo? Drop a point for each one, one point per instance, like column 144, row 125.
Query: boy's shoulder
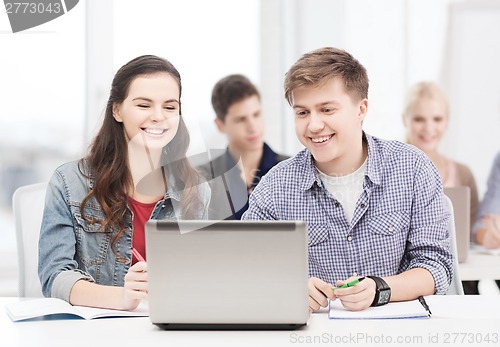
column 389, row 148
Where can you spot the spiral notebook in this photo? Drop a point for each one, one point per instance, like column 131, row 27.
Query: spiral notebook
column 392, row 310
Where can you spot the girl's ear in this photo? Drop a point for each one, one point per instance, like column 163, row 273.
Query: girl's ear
column 116, row 113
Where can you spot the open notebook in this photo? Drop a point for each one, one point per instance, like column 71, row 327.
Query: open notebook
column 60, row 309
column 392, row 310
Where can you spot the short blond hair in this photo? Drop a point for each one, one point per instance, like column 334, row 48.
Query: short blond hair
column 321, row 65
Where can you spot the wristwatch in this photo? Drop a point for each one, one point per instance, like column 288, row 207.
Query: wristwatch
column 382, row 293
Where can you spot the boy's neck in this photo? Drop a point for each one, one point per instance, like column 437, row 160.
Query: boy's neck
column 350, row 164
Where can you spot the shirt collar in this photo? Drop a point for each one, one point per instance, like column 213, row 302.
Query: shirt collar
column 174, row 189
column 267, row 161
column 374, row 159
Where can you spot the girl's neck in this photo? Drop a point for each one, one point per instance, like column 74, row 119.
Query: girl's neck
column 147, row 178
column 441, row 163
column 435, row 156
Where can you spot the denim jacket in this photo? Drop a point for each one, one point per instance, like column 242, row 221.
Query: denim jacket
column 72, row 248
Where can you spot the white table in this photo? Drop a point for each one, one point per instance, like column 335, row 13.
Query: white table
column 465, row 320
column 480, row 265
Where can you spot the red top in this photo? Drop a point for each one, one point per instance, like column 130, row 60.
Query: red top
column 142, row 212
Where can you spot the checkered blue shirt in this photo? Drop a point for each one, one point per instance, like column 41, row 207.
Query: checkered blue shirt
column 399, row 223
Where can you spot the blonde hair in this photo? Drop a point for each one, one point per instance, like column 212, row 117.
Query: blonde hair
column 421, row 90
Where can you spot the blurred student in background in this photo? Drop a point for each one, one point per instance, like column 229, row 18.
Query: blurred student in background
column 426, row 117
column 487, row 227
column 235, row 173
column 136, row 169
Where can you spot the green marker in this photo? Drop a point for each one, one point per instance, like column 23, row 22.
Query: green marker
column 350, row 284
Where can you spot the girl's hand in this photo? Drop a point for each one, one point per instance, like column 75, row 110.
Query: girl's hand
column 136, row 285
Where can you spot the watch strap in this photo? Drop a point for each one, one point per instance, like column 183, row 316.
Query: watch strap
column 381, row 286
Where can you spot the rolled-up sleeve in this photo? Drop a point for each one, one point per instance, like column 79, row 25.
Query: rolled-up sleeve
column 429, row 239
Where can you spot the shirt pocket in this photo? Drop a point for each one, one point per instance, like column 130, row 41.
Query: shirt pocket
column 317, row 234
column 387, row 238
column 394, row 223
column 92, row 243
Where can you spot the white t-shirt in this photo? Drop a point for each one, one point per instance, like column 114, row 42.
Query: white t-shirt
column 346, row 189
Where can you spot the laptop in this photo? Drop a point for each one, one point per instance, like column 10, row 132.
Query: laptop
column 227, row 274
column 460, row 198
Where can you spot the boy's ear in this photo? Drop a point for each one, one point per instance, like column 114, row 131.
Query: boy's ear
column 220, row 125
column 363, row 109
column 116, row 114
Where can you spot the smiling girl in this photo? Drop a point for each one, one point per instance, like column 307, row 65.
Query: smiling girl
column 136, row 169
column 426, row 118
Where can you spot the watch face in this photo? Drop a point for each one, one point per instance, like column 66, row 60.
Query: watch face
column 385, row 296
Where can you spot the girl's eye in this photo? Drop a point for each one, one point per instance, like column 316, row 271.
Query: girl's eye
column 143, row 106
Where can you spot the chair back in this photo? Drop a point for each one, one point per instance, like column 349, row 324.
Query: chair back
column 28, row 203
column 456, row 287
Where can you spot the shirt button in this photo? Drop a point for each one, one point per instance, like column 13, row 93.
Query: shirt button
column 362, row 205
column 391, row 229
column 349, row 238
column 337, row 204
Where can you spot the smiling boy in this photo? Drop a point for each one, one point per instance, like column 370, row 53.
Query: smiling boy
column 374, row 208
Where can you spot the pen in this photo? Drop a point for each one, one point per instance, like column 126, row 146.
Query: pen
column 138, row 255
column 350, row 284
column 424, row 304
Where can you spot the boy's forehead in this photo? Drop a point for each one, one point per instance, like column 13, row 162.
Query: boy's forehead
column 329, row 90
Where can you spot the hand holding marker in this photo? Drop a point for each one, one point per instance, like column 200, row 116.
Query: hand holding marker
column 350, row 284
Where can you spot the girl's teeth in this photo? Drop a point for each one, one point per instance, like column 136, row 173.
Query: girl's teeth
column 154, row 131
column 320, row 139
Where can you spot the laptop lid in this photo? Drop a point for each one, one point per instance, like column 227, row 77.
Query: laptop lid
column 227, row 274
column 460, row 198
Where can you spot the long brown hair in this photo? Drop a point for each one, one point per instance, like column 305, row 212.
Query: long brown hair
column 107, row 159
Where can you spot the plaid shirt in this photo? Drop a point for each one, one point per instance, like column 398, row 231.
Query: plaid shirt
column 399, row 223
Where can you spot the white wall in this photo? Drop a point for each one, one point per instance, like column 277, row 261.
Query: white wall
column 400, row 42
column 473, row 79
column 205, row 40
